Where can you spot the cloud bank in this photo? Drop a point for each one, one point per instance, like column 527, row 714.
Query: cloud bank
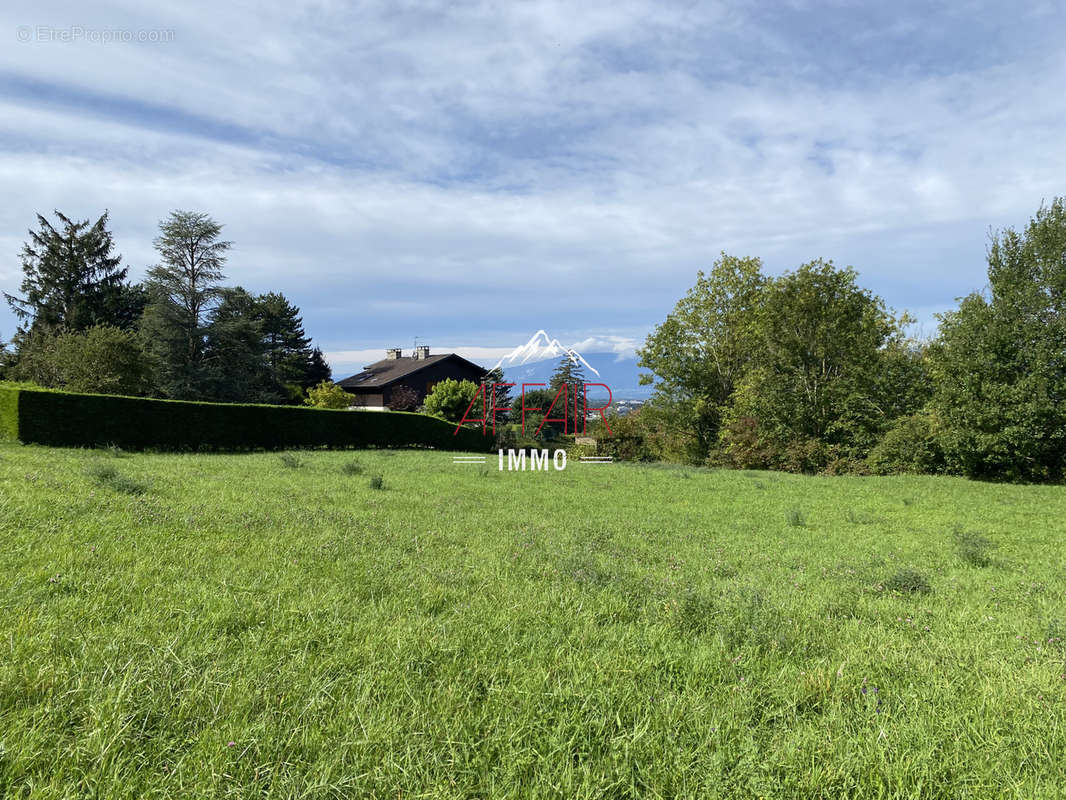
column 471, row 172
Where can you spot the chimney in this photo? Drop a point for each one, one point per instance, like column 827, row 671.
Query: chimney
column 421, row 353
column 392, row 353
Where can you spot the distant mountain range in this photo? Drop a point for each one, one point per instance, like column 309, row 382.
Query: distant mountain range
column 536, row 360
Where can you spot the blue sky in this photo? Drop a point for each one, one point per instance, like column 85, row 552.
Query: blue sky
column 470, row 172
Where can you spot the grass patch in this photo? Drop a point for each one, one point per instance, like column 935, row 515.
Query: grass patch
column 249, row 629
column 107, row 476
column 290, row 461
column 973, row 548
column 352, row 468
column 908, row 581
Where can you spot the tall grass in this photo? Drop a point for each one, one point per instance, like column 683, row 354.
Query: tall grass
column 244, row 628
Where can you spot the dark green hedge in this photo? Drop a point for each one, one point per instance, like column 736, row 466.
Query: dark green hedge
column 65, row 419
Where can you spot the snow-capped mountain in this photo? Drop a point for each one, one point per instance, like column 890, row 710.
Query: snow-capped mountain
column 536, row 360
column 541, row 348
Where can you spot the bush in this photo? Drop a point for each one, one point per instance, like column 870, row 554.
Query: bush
column 102, row 359
column 910, row 446
column 742, row 447
column 403, row 398
column 450, row 399
column 63, row 419
column 623, row 448
column 327, row 395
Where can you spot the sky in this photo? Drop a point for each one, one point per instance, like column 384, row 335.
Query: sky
column 469, row 173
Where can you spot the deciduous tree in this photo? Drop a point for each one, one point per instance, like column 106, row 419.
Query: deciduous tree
column 999, row 365
column 818, row 361
column 704, row 347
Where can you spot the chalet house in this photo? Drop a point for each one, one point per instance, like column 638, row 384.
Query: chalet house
column 372, row 388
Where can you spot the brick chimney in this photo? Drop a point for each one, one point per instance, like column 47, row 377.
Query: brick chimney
column 421, row 353
column 392, row 353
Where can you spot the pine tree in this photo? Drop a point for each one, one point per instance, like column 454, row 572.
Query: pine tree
column 71, row 280
column 317, row 369
column 235, row 362
column 5, row 358
column 287, row 347
column 184, row 287
column 569, row 372
column 502, row 395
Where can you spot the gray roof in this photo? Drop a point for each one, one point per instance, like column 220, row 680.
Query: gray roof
column 389, row 370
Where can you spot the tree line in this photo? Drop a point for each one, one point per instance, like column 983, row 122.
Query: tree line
column 810, row 372
column 181, row 333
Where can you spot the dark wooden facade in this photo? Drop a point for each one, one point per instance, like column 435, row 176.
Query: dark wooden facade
column 373, row 386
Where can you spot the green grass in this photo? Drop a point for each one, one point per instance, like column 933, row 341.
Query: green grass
column 252, row 626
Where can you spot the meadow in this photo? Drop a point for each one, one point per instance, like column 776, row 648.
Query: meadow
column 386, row 624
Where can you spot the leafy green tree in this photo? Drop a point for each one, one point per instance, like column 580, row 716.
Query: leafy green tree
column 328, row 395
column 999, row 365
column 701, row 351
column 449, row 399
column 71, row 279
column 812, row 388
column 103, row 360
column 184, row 287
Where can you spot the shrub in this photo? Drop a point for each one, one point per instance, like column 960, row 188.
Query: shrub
column 102, row 359
column 403, row 398
column 450, row 399
column 63, row 419
column 623, row 448
column 908, row 581
column 9, row 418
column 910, row 446
column 328, row 395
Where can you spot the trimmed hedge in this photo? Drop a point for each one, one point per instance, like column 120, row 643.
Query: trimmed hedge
column 65, row 419
column 9, row 419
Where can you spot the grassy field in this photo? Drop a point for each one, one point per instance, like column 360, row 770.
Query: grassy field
column 275, row 626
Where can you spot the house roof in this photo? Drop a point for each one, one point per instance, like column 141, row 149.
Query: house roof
column 390, row 370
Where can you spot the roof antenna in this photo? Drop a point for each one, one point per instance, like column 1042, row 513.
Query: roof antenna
column 417, row 340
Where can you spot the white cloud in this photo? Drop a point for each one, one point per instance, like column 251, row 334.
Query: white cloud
column 456, row 169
